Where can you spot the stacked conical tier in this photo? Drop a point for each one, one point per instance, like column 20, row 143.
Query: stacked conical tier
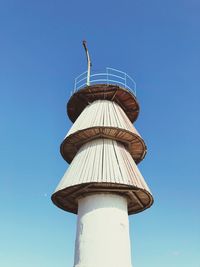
column 103, row 148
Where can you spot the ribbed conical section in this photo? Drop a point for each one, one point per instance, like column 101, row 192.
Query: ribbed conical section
column 103, row 165
column 106, row 119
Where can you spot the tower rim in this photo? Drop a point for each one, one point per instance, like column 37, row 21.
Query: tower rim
column 72, row 143
column 112, row 92
column 67, row 198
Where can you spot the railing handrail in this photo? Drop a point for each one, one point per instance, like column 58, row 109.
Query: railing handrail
column 110, row 76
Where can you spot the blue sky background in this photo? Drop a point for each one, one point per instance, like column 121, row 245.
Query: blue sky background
column 157, row 43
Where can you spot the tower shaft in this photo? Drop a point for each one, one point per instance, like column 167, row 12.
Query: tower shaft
column 102, row 232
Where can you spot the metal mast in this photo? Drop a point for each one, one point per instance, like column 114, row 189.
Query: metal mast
column 88, row 61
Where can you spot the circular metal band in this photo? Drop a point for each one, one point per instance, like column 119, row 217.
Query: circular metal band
column 67, row 199
column 123, row 97
column 133, row 142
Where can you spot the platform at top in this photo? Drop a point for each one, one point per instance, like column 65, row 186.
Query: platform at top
column 113, row 85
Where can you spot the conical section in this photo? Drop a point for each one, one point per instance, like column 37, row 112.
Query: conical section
column 103, row 165
column 106, row 119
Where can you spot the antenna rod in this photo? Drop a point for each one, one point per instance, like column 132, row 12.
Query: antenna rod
column 88, row 61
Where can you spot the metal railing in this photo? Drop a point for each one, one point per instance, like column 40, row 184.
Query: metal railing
column 111, row 76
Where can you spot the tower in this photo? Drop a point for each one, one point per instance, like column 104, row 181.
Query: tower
column 103, row 184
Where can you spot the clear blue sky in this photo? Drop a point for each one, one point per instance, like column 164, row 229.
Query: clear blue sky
column 157, row 43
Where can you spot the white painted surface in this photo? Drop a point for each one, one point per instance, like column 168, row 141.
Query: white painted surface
column 103, row 161
column 102, row 232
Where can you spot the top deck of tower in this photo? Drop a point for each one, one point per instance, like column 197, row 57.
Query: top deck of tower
column 112, row 84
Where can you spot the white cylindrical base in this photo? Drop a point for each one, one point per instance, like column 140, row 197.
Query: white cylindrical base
column 102, row 238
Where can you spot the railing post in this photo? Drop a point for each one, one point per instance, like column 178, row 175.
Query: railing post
column 107, row 75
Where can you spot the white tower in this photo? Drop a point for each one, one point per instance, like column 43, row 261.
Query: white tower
column 103, row 184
